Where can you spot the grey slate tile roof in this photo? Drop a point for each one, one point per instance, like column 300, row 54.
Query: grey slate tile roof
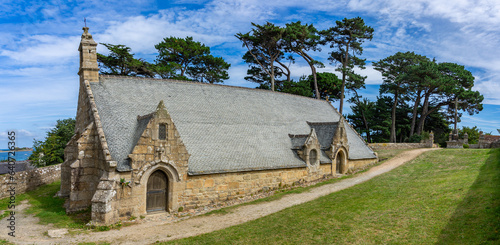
column 298, row 140
column 20, row 166
column 224, row 128
column 325, row 132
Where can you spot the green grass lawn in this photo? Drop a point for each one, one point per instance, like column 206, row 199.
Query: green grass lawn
column 48, row 208
column 384, row 155
column 444, row 197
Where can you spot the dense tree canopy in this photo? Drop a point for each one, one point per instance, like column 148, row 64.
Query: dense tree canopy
column 184, row 58
column 121, row 62
column 265, row 45
column 178, row 58
column 329, row 86
column 256, row 74
column 51, row 150
column 394, row 69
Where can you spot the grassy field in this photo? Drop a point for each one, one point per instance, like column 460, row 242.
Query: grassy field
column 48, row 208
column 384, row 155
column 445, row 197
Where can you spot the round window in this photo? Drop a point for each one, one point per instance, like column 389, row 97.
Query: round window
column 313, row 156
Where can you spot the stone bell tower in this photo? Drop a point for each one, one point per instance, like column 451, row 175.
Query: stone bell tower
column 89, row 73
column 88, row 58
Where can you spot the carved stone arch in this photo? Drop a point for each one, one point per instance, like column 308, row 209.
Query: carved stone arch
column 169, row 168
column 340, row 161
column 312, row 156
column 172, row 177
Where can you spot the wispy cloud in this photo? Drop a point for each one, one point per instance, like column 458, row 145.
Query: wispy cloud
column 43, row 49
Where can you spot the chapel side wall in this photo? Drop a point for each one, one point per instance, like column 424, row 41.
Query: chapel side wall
column 360, row 164
column 195, row 191
column 203, row 190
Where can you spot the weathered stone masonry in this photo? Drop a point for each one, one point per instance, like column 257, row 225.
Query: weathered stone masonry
column 30, row 179
column 143, row 145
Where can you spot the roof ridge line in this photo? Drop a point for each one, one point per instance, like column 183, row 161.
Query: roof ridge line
column 321, row 123
column 97, row 120
column 297, row 135
column 206, row 84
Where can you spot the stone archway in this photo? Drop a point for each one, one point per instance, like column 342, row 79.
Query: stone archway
column 157, row 192
column 340, row 162
column 172, row 178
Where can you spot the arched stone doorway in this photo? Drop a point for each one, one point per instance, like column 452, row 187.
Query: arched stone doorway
column 340, row 162
column 157, row 191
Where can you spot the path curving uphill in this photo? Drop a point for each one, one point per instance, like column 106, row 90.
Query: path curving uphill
column 150, row 232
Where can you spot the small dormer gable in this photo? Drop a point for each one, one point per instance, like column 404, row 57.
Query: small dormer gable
column 159, row 141
column 340, row 136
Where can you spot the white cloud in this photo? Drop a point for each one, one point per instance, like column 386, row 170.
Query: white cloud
column 490, row 89
column 24, row 133
column 44, row 49
column 215, row 24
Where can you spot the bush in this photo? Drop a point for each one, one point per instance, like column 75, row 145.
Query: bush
column 425, row 135
column 51, row 150
column 416, row 138
column 466, row 146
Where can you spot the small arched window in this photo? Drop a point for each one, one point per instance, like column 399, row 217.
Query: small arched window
column 162, row 131
column 313, row 156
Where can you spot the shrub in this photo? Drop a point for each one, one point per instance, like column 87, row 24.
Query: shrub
column 416, row 138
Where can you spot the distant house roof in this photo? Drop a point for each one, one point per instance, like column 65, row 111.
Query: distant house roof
column 224, row 128
column 18, row 167
column 491, row 138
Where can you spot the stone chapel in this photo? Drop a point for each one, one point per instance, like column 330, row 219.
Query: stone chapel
column 149, row 145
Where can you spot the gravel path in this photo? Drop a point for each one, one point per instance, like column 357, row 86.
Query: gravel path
column 29, row 232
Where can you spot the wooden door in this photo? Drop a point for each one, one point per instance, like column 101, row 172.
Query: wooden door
column 340, row 159
column 156, row 198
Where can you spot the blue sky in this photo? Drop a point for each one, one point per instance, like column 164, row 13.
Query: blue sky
column 39, row 42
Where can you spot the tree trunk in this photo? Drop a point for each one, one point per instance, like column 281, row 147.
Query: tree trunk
column 272, row 76
column 309, row 61
column 287, row 71
column 366, row 126
column 393, row 117
column 313, row 70
column 423, row 115
column 344, row 65
column 414, row 115
column 342, row 92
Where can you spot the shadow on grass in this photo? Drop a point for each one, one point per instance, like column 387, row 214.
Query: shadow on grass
column 476, row 219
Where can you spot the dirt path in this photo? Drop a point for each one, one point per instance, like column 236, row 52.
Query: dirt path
column 150, row 232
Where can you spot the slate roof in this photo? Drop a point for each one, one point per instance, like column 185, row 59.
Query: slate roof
column 224, row 128
column 20, row 166
column 325, row 132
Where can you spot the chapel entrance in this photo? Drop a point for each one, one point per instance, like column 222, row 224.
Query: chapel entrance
column 340, row 162
column 156, row 198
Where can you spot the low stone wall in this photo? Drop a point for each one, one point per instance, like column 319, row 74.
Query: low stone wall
column 30, row 179
column 396, row 146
